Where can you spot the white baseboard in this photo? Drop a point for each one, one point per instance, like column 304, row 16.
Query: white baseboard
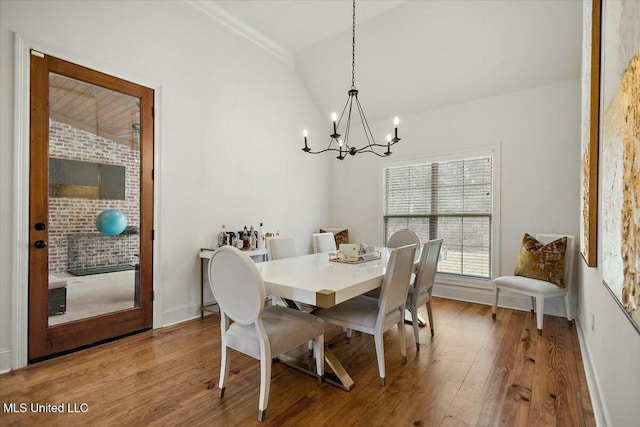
column 460, row 292
column 182, row 314
column 5, row 360
column 592, row 383
column 484, row 295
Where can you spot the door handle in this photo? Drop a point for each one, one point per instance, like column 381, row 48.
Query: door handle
column 40, row 244
column 40, row 226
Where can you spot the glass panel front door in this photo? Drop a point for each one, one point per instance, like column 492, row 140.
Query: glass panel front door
column 90, row 207
column 94, row 200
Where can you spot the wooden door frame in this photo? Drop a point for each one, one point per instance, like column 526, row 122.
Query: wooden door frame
column 46, row 340
column 20, row 224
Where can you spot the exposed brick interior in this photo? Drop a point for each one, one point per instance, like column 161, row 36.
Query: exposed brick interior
column 75, row 215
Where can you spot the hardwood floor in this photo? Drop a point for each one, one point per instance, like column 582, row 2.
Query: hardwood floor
column 474, row 372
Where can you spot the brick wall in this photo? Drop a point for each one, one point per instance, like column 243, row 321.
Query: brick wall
column 73, row 215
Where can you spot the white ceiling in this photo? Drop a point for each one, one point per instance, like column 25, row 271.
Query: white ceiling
column 296, row 24
column 415, row 55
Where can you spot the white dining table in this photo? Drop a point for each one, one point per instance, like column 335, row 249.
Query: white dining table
column 317, row 281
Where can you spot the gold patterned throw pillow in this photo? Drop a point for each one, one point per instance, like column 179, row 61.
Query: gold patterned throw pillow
column 542, row 262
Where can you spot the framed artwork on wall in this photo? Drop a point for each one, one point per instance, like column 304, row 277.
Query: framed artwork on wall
column 620, row 153
column 590, row 128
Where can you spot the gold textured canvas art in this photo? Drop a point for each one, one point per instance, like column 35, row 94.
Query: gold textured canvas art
column 589, row 140
column 620, row 159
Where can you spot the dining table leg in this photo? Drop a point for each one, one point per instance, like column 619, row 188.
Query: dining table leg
column 408, row 319
column 340, row 376
column 337, row 377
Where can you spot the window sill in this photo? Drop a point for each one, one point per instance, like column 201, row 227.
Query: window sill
column 468, row 282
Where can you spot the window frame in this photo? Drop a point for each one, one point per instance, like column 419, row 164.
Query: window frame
column 494, row 152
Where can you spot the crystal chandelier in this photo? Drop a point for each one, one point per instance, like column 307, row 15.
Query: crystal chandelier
column 340, row 143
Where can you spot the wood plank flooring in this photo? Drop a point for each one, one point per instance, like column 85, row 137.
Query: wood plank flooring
column 474, row 372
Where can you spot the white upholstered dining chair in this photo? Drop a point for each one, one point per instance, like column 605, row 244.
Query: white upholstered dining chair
column 375, row 316
column 422, row 287
column 251, row 328
column 539, row 290
column 323, row 242
column 403, row 237
column 399, row 238
column 281, row 247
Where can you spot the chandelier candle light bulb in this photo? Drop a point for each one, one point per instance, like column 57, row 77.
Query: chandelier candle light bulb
column 335, row 134
column 396, row 120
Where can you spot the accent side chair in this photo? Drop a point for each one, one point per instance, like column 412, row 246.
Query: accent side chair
column 539, row 290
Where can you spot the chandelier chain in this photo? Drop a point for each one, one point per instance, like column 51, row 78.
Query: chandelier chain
column 353, row 49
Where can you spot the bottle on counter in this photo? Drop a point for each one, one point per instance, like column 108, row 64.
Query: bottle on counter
column 245, row 239
column 222, row 237
column 252, row 238
column 261, row 238
column 239, row 239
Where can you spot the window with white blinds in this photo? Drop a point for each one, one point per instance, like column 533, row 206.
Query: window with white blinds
column 452, row 200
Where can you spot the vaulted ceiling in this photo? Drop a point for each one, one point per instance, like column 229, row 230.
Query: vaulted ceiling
column 412, row 55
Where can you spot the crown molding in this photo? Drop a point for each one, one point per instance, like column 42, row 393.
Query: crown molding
column 241, row 29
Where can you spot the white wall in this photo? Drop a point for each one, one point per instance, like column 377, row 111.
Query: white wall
column 423, row 55
column 539, row 134
column 611, row 345
column 230, row 121
column 611, row 350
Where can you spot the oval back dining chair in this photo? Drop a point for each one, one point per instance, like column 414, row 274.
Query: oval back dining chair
column 323, row 242
column 420, row 292
column 404, row 237
column 257, row 331
column 375, row 316
column 539, row 290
